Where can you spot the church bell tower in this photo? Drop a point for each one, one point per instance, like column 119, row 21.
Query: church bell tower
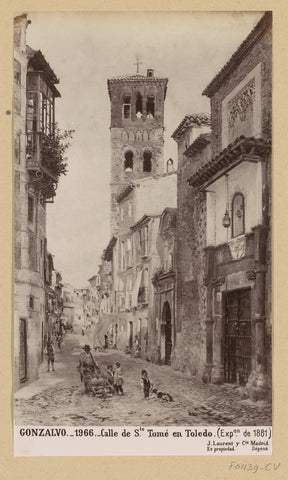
column 137, row 131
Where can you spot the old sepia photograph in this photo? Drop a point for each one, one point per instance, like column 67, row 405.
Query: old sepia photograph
column 142, row 219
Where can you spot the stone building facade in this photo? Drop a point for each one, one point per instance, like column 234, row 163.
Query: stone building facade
column 232, row 187
column 163, row 321
column 134, row 257
column 94, row 287
column 194, row 150
column 34, row 99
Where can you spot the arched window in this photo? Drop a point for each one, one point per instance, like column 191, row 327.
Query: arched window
column 139, row 105
column 238, row 214
column 128, row 164
column 126, row 106
column 170, row 167
column 150, row 106
column 147, row 164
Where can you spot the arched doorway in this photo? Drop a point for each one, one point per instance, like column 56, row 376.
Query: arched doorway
column 167, row 332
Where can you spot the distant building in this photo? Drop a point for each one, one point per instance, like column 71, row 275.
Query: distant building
column 94, row 287
column 57, row 288
column 68, row 304
column 34, row 116
column 78, row 322
column 106, row 300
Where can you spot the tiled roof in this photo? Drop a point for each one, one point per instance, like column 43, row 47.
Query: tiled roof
column 198, row 144
column 143, row 220
column 243, row 49
column 134, row 78
column 37, row 61
column 189, row 121
column 234, row 153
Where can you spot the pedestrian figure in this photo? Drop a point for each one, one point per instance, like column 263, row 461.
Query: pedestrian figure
column 50, row 355
column 118, row 379
column 59, row 341
column 87, row 368
column 137, row 349
column 146, row 383
column 106, row 341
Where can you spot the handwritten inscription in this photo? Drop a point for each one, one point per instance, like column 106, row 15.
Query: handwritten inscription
column 254, row 468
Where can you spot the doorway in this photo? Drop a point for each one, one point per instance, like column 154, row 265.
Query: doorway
column 238, row 337
column 167, row 333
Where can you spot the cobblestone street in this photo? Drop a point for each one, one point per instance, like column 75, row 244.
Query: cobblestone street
column 58, row 398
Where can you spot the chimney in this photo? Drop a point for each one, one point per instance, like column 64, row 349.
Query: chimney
column 150, row 72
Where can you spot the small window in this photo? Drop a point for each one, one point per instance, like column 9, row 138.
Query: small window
column 126, row 106
column 128, row 164
column 126, row 111
column 147, row 164
column 150, row 106
column 238, row 215
column 30, row 209
column 31, row 302
column 170, row 166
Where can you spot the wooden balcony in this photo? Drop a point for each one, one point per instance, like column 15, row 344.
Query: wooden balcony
column 41, row 177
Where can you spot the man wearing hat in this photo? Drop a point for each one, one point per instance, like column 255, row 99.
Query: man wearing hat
column 87, row 367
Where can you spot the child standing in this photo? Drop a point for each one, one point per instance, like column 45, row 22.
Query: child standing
column 118, row 379
column 146, row 383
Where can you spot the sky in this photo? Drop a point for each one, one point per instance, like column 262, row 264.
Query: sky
column 84, row 50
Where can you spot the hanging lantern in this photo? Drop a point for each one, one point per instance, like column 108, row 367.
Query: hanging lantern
column 226, row 220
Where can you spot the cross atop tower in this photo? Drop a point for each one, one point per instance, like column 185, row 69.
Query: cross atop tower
column 137, row 63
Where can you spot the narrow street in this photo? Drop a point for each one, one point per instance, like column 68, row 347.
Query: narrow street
column 58, row 398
